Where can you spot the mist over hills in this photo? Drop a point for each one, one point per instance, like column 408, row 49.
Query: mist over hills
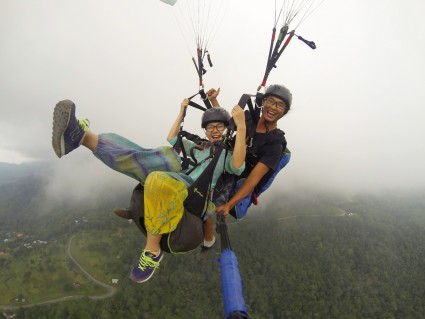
column 27, row 194
column 10, row 173
column 28, row 200
column 302, row 254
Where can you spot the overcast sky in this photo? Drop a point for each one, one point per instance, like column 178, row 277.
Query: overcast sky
column 358, row 109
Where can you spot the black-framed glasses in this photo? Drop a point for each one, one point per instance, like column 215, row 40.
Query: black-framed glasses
column 220, row 127
column 279, row 105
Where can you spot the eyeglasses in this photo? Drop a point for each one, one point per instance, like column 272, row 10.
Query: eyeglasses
column 220, row 127
column 279, row 105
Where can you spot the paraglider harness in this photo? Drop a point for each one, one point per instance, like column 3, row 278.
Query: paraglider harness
column 199, row 195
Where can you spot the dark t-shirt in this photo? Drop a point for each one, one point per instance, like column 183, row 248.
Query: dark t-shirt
column 266, row 148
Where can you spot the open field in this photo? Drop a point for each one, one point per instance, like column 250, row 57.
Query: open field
column 37, row 274
column 46, row 272
column 104, row 260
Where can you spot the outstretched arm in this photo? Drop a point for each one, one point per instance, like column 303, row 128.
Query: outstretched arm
column 246, row 188
column 239, row 151
column 174, row 130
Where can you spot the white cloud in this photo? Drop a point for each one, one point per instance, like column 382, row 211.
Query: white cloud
column 358, row 102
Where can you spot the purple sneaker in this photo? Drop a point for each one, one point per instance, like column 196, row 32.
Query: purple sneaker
column 146, row 266
column 68, row 132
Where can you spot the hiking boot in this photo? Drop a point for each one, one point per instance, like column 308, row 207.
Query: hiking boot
column 68, row 132
column 146, row 266
column 123, row 213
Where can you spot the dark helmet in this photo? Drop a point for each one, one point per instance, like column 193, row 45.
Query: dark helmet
column 215, row 114
column 280, row 92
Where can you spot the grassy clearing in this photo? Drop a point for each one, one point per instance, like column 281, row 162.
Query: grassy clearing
column 97, row 254
column 41, row 273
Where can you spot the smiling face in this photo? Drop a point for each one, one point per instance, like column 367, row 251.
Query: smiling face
column 214, row 131
column 273, row 109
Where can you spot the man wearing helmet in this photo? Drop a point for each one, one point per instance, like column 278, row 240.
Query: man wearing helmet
column 265, row 146
column 158, row 170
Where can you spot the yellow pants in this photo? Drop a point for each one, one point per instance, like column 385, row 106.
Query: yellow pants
column 164, row 197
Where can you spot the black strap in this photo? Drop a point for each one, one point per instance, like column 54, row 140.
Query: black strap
column 205, row 98
column 196, row 164
column 198, row 191
column 179, row 147
column 197, row 106
column 221, row 228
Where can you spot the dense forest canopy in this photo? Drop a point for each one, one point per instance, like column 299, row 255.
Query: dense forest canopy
column 310, row 255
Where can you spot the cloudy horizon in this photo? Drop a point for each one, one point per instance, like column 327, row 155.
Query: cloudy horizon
column 357, row 117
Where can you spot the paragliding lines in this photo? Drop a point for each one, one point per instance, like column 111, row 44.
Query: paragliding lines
column 297, row 10
column 274, row 53
column 291, row 11
column 198, row 21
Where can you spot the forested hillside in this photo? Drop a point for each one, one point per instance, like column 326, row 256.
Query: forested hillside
column 302, row 256
column 10, row 173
